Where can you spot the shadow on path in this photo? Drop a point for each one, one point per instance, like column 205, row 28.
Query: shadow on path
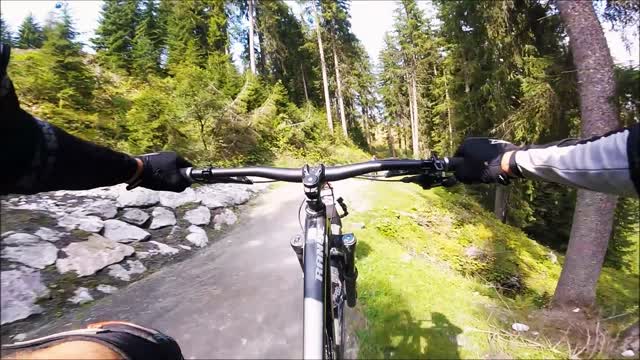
column 425, row 339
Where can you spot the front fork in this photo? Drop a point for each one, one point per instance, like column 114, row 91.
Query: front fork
column 340, row 247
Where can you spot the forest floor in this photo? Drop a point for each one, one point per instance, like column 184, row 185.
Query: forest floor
column 440, row 277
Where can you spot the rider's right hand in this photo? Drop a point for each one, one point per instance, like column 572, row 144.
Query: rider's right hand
column 485, row 161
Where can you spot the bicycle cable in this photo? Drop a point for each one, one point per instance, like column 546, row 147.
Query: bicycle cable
column 263, row 181
column 374, row 178
column 299, row 211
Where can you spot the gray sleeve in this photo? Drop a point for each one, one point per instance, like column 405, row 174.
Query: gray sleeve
column 598, row 164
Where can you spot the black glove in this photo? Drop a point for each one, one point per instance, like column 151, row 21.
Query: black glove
column 482, row 161
column 161, row 171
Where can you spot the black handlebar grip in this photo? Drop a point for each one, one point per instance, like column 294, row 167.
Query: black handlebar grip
column 186, row 173
column 454, row 163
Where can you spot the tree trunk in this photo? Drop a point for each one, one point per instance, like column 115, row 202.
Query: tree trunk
column 365, row 125
column 343, row 119
column 500, row 203
column 392, row 149
column 304, row 84
column 415, row 141
column 262, row 59
column 252, row 51
column 323, row 66
column 448, row 100
column 593, row 217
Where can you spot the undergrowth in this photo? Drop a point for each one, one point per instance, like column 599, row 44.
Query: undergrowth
column 441, row 278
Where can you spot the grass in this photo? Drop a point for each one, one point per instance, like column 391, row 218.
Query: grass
column 424, row 298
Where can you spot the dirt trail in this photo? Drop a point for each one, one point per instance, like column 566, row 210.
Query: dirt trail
column 240, row 298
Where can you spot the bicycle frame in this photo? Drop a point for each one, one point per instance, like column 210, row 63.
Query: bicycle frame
column 316, row 304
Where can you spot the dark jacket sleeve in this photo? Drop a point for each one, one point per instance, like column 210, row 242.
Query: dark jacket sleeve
column 37, row 156
column 609, row 163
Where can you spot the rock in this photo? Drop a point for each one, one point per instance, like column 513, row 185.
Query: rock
column 48, row 234
column 135, row 216
column 81, row 296
column 20, row 289
column 29, row 250
column 628, row 353
column 164, row 249
column 226, row 217
column 87, row 257
column 118, row 271
column 20, row 239
column 87, row 223
column 576, row 310
column 222, row 195
column 107, row 289
column 120, row 231
column 519, row 327
column 357, row 225
column 473, row 252
column 104, row 208
column 630, row 338
column 137, row 197
column 174, row 200
column 19, row 337
column 197, row 236
column 162, row 217
column 552, row 257
column 198, row 216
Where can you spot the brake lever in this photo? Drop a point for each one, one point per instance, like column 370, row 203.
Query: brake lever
column 237, row 180
column 428, row 181
column 396, row 173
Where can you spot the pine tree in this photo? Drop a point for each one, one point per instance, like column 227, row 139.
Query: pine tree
column 73, row 81
column 30, row 35
column 148, row 42
column 281, row 52
column 6, row 37
column 116, row 33
column 187, row 33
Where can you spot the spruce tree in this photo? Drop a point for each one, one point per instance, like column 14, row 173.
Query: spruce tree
column 148, row 41
column 30, row 35
column 6, row 37
column 73, row 80
column 115, row 34
column 187, row 33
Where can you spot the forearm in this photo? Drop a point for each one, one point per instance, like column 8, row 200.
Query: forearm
column 37, row 156
column 607, row 164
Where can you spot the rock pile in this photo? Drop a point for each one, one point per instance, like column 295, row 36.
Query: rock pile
column 106, row 231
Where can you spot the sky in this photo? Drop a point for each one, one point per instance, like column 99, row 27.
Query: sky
column 370, row 19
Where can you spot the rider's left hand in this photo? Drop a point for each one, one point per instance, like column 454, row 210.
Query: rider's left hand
column 161, row 171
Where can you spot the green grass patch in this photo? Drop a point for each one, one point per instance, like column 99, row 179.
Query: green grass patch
column 441, row 278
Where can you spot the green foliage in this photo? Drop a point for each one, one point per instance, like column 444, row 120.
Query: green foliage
column 56, row 74
column 115, row 34
column 6, row 36
column 624, row 239
column 30, row 35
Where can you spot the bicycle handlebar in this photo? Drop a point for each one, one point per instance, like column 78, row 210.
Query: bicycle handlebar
column 331, row 173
